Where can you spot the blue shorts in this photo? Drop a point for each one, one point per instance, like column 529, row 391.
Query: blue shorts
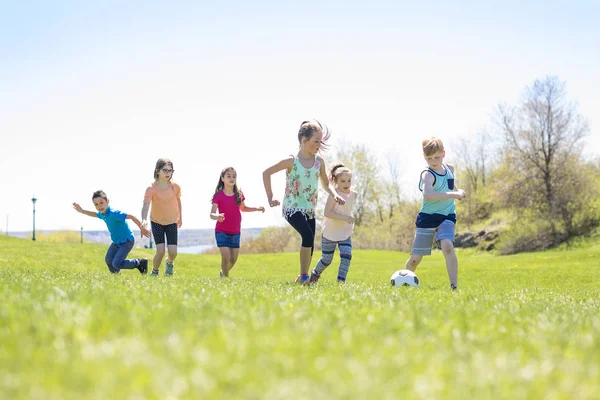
column 231, row 240
column 424, row 237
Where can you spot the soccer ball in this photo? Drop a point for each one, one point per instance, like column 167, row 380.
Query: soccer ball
column 404, row 277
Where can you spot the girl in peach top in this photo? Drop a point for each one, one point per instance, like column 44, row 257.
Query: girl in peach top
column 165, row 215
column 338, row 225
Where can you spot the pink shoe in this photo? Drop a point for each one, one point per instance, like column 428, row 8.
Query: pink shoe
column 314, row 278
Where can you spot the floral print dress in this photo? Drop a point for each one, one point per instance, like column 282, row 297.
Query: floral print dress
column 301, row 189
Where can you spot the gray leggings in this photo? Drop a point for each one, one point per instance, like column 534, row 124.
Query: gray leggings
column 328, row 248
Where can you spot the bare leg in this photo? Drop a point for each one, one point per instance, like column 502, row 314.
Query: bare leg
column 158, row 257
column 172, row 249
column 233, row 256
column 305, row 259
column 413, row 262
column 225, row 260
column 451, row 260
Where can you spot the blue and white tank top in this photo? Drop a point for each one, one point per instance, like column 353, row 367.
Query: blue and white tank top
column 441, row 183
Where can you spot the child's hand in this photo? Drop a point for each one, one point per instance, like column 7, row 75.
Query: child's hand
column 349, row 219
column 77, row 207
column 179, row 223
column 460, row 194
column 261, row 209
column 221, row 217
column 144, row 232
column 274, row 203
column 339, row 200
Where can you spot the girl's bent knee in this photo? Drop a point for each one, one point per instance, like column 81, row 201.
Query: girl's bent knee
column 308, row 242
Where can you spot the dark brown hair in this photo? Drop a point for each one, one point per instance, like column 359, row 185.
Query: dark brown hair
column 99, row 193
column 160, row 164
column 221, row 185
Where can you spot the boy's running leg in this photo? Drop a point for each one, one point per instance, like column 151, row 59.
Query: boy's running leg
column 110, row 255
column 412, row 262
column 119, row 261
column 445, row 238
column 451, row 261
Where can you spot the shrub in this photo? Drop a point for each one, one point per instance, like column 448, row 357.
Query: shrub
column 270, row 240
column 59, row 237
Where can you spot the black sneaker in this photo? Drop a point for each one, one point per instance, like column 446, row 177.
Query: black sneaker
column 453, row 287
column 143, row 266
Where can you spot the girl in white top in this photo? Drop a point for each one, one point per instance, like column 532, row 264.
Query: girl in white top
column 338, row 224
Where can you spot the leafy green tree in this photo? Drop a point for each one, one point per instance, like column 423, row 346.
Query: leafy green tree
column 474, row 158
column 542, row 173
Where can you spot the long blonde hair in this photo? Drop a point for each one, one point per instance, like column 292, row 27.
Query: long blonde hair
column 309, row 128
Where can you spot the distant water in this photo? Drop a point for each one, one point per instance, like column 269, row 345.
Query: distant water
column 194, row 249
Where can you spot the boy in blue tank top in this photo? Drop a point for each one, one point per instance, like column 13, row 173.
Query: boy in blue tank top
column 437, row 216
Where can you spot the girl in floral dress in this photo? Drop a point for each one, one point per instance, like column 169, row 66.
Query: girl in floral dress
column 303, row 173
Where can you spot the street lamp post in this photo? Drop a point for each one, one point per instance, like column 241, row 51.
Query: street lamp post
column 33, row 200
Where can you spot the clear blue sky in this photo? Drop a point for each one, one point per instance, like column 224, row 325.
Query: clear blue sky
column 92, row 93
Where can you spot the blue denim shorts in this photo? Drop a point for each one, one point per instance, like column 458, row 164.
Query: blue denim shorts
column 227, row 240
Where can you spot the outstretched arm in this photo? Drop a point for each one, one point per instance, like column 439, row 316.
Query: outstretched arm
column 327, row 185
column 245, row 208
column 288, row 163
column 78, row 208
column 143, row 230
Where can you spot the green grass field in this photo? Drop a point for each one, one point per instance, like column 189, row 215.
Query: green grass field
column 520, row 327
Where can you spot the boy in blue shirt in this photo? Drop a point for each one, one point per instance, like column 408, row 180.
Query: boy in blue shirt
column 120, row 234
column 437, row 216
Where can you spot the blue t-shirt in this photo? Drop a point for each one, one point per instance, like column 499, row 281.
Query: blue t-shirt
column 120, row 232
